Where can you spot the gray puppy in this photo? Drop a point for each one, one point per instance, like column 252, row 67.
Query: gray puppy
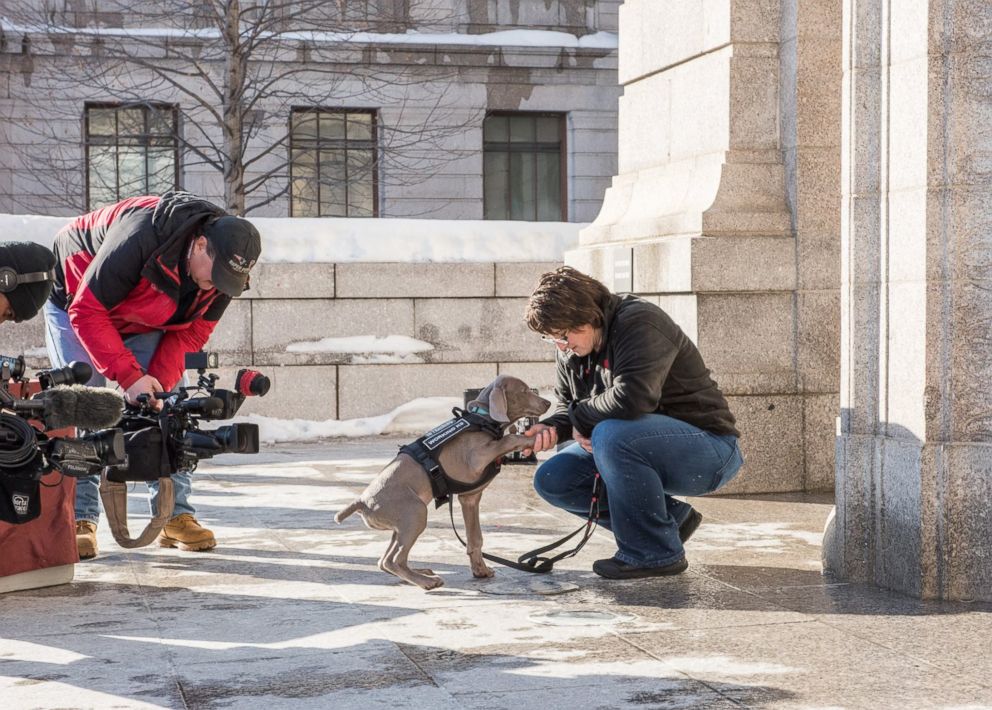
column 397, row 499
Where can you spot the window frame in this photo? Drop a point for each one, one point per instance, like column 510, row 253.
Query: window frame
column 144, row 141
column 509, row 147
column 342, row 144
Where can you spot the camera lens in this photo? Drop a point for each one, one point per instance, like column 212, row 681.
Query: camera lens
column 109, row 446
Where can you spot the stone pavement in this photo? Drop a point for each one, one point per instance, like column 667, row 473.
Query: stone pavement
column 290, row 611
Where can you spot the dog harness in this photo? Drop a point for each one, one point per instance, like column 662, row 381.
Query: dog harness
column 424, row 451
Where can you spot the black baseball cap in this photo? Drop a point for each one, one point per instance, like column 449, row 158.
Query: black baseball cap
column 236, row 245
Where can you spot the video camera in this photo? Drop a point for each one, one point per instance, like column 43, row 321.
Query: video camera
column 29, row 444
column 166, row 439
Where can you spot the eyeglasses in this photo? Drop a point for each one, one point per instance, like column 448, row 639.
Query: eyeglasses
column 553, row 340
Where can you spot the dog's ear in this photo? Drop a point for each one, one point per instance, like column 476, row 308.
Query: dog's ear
column 497, row 404
column 482, row 401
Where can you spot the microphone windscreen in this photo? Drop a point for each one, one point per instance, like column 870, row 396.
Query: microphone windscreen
column 82, row 407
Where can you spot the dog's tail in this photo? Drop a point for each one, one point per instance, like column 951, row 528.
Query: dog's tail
column 348, row 511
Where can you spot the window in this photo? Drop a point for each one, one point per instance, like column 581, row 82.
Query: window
column 333, row 163
column 523, row 175
column 130, row 150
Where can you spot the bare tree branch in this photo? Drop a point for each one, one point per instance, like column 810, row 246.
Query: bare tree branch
column 236, row 69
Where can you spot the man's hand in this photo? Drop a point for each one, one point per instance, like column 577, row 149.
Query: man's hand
column 584, row 442
column 545, row 437
column 146, row 384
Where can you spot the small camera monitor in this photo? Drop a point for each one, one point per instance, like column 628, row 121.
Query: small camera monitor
column 201, row 361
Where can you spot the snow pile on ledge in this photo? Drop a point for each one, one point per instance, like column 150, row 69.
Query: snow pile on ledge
column 502, row 38
column 341, row 239
column 364, row 344
column 367, row 349
column 414, row 417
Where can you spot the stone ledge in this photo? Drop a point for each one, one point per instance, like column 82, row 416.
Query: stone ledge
column 300, row 392
column 398, row 280
column 303, row 280
column 369, row 390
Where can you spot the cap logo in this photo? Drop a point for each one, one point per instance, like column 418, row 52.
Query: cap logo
column 21, row 503
column 240, row 264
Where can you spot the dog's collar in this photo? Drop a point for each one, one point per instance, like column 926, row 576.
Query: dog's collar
column 479, row 410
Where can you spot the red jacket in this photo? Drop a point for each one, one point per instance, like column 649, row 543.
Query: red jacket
column 119, row 271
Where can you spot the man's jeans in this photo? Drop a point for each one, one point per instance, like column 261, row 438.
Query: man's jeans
column 63, row 348
column 643, row 463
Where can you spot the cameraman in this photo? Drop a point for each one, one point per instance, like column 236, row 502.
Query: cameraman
column 138, row 284
column 26, row 276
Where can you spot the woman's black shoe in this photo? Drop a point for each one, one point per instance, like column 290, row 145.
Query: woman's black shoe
column 689, row 525
column 613, row 568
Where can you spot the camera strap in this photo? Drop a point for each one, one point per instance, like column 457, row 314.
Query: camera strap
column 114, row 497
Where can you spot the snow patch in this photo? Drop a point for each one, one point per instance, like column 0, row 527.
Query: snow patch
column 362, row 344
column 414, row 417
column 343, row 240
column 28, row 652
column 503, row 38
column 724, row 665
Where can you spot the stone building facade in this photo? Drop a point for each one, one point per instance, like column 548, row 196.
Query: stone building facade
column 726, row 210
column 426, row 74
column 803, row 185
column 811, row 200
column 508, row 59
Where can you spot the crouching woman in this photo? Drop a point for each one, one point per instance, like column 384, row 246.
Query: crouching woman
column 639, row 403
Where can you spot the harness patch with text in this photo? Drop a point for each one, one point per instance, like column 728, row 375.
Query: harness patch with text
column 441, row 434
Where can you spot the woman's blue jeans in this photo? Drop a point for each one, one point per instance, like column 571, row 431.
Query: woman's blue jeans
column 643, row 462
column 63, row 348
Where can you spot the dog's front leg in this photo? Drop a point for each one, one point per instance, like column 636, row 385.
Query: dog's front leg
column 473, row 533
column 484, row 455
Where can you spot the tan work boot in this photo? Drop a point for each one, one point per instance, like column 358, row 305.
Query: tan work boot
column 185, row 533
column 86, row 539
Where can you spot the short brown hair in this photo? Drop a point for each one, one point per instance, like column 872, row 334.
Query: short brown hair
column 565, row 299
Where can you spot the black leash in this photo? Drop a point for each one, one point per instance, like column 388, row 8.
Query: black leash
column 532, row 561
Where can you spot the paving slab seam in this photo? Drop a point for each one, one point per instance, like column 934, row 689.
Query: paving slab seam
column 689, row 676
column 260, row 524
column 756, row 625
column 182, row 693
column 430, row 679
column 910, row 656
column 748, row 592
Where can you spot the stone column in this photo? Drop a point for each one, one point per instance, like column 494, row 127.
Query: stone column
column 914, row 465
column 702, row 216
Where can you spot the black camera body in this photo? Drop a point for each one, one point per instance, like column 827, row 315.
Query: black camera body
column 28, row 452
column 162, row 441
column 87, row 454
